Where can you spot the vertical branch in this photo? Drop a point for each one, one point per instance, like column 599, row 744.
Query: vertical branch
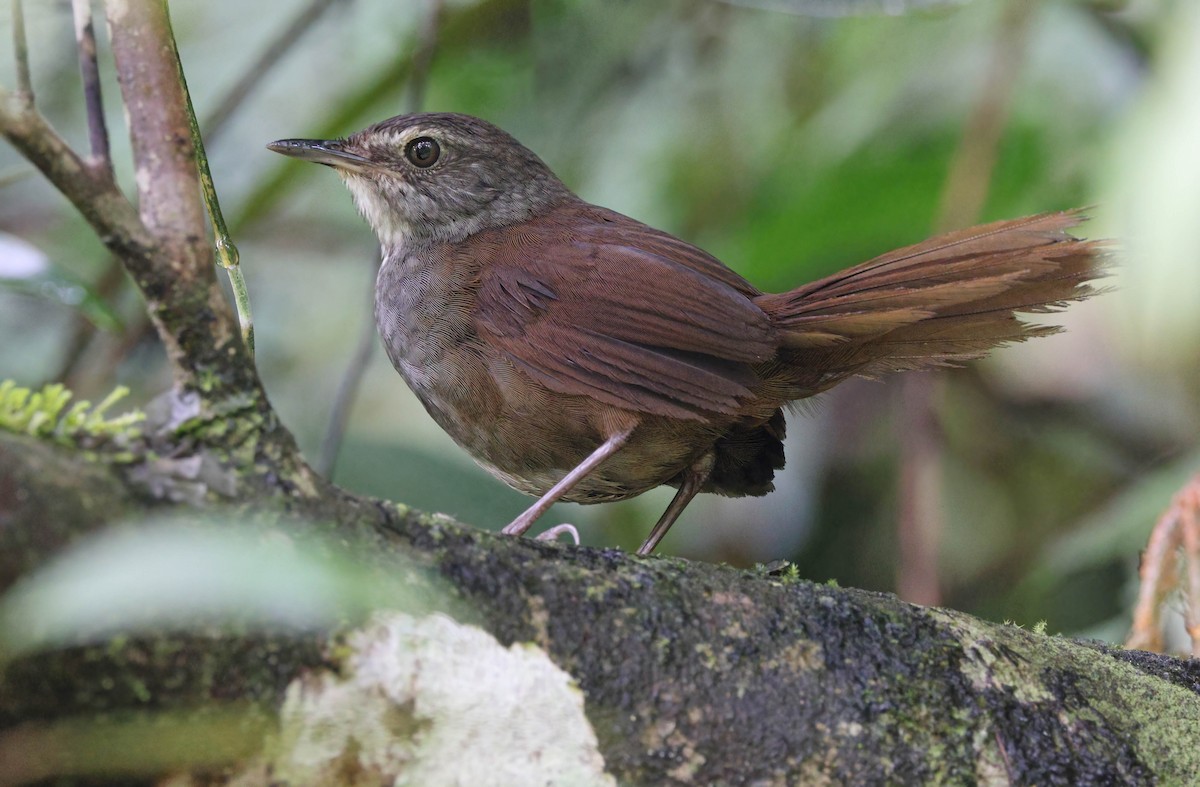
column 202, row 339
column 920, row 523
column 85, row 42
column 21, row 51
column 111, row 279
column 227, row 253
column 966, row 187
column 343, row 400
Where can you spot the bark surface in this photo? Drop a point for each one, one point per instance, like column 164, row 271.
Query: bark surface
column 692, row 673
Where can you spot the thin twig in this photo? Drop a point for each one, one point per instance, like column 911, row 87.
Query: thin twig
column 85, row 42
column 920, row 522
column 107, row 285
column 21, row 50
column 253, row 76
column 83, row 329
column 347, row 392
column 227, row 253
column 93, row 193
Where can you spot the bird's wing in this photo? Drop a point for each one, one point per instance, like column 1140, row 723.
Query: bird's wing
column 591, row 303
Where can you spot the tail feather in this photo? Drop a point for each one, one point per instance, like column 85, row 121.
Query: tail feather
column 946, row 300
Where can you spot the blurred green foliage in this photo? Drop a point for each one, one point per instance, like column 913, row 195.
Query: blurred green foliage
column 790, row 146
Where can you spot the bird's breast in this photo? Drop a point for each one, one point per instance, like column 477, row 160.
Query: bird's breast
column 513, row 426
column 420, row 316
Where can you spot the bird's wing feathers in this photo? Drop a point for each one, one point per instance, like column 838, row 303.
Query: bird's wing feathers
column 556, row 298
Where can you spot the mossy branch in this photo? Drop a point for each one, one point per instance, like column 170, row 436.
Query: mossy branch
column 691, row 673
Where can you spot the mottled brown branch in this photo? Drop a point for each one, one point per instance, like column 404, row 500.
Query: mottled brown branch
column 89, row 70
column 167, row 183
column 692, row 674
column 201, row 334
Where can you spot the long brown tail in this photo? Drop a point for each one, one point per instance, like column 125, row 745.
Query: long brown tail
column 942, row 301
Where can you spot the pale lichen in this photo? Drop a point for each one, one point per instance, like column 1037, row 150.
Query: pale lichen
column 430, row 701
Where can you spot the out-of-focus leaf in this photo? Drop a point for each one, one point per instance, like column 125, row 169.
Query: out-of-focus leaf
column 180, row 574
column 146, row 744
column 24, row 270
column 1155, row 200
column 1118, row 531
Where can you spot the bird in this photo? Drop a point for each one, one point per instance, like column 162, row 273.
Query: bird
column 580, row 355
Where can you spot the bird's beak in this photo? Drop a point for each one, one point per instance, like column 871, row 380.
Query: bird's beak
column 329, row 152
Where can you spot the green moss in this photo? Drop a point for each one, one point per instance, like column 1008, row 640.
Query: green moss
column 45, row 414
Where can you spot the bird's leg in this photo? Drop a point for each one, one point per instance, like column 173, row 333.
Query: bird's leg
column 693, row 479
column 609, row 447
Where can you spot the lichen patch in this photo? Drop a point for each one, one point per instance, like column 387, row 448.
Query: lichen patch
column 429, row 701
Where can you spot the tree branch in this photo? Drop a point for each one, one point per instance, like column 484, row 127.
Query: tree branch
column 196, row 324
column 692, row 673
column 92, row 192
column 21, row 54
column 85, row 42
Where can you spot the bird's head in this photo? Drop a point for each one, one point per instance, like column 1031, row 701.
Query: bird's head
column 435, row 177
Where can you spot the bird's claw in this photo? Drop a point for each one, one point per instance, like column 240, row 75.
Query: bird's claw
column 553, row 533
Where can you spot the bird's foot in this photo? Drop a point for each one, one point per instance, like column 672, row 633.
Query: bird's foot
column 553, row 533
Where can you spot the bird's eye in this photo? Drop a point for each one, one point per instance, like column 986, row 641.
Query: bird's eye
column 422, row 152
